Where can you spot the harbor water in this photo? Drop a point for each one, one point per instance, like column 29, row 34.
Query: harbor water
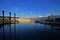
column 29, row 31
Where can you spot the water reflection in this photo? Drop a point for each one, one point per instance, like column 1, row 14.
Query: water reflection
column 7, row 32
column 52, row 27
column 3, row 33
column 15, row 31
column 28, row 30
column 10, row 31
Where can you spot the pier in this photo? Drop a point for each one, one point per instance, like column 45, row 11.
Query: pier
column 7, row 19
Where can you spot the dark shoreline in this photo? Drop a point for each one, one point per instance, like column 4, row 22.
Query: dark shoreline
column 48, row 23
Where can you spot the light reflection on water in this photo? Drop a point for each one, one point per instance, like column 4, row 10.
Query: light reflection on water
column 29, row 31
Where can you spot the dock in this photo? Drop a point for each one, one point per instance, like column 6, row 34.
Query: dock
column 49, row 23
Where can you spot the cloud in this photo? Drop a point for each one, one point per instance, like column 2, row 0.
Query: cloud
column 40, row 16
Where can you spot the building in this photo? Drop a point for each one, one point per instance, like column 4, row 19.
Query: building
column 53, row 18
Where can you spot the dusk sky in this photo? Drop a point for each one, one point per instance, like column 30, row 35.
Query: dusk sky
column 28, row 8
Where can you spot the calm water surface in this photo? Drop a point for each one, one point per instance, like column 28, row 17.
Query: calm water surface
column 30, row 31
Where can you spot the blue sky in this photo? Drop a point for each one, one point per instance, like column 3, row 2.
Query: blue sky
column 28, row 8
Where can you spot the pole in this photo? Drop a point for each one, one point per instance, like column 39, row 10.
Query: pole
column 15, row 24
column 3, row 23
column 10, row 23
column 10, row 17
column 14, row 17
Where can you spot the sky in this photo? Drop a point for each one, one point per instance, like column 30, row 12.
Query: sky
column 30, row 8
